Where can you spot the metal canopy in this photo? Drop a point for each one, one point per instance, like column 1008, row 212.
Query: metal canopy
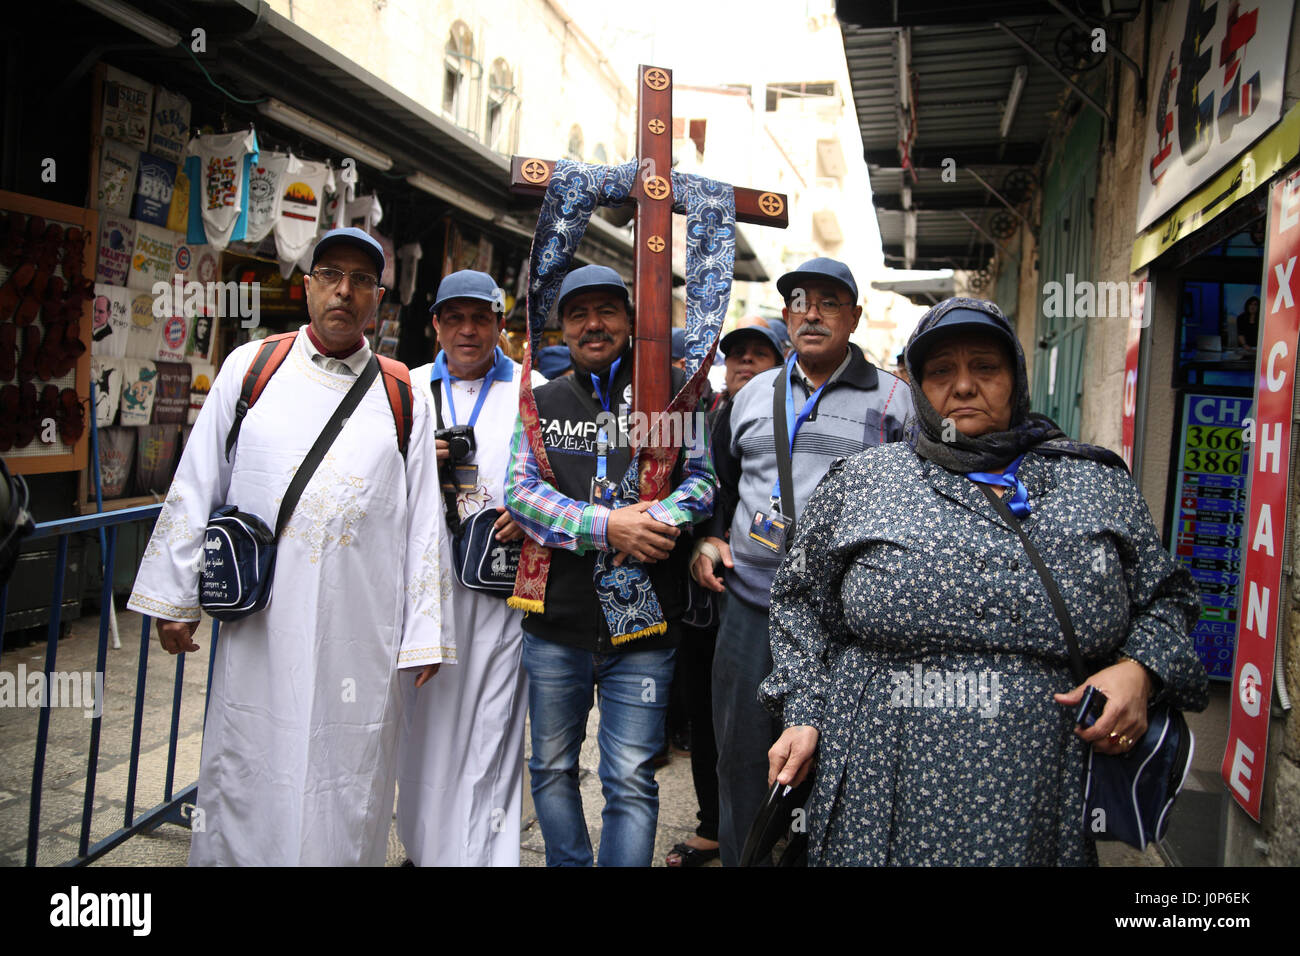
column 963, row 68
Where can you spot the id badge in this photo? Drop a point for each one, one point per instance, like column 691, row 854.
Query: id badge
column 602, row 492
column 769, row 531
column 463, row 478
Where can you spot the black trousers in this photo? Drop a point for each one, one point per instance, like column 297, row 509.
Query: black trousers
column 695, row 660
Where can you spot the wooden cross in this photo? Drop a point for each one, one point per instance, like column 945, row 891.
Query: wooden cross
column 652, row 193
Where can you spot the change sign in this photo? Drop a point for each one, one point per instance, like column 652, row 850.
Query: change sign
column 1266, row 514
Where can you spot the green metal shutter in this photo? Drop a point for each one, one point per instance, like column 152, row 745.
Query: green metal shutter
column 1065, row 250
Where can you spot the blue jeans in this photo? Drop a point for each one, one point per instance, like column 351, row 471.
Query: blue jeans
column 633, row 699
column 745, row 730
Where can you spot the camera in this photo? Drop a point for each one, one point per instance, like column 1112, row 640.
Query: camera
column 460, row 442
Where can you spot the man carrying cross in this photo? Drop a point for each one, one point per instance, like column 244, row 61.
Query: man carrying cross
column 568, row 647
column 626, row 509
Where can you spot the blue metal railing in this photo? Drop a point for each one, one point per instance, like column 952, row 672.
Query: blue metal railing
column 170, row 809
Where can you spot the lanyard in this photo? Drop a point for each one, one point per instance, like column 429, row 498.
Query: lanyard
column 795, row 421
column 440, row 371
column 1019, row 500
column 605, row 395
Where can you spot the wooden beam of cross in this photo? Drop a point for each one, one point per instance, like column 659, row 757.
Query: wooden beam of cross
column 652, row 193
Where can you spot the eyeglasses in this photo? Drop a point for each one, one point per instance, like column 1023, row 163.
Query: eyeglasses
column 828, row 308
column 332, row 277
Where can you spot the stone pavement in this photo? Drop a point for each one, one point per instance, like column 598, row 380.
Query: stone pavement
column 68, row 748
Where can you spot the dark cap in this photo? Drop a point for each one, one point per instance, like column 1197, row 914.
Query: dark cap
column 831, row 270
column 467, row 284
column 679, row 344
column 553, row 360
column 351, row 236
column 953, row 315
column 589, row 279
column 751, row 332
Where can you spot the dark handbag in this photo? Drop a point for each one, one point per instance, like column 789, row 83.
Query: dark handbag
column 482, row 562
column 781, row 815
column 1125, row 796
column 238, row 559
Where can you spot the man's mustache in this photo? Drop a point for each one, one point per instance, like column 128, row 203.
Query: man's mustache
column 589, row 337
column 811, row 328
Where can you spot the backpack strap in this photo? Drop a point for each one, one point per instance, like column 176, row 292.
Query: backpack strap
column 397, row 384
column 270, row 355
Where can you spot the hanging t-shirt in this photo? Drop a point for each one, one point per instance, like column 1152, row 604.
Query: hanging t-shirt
column 218, row 168
column 145, row 331
column 154, row 257
column 265, row 192
column 171, row 401
column 116, row 243
column 178, row 210
column 301, row 200
column 107, row 376
column 110, row 320
column 139, row 380
column 390, row 258
column 200, row 385
column 173, row 336
column 364, row 212
column 171, row 125
column 155, row 453
column 153, row 191
column 116, row 455
column 117, row 170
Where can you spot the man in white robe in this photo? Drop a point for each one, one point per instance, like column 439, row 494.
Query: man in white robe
column 298, row 763
column 461, row 756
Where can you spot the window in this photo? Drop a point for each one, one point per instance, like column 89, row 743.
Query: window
column 460, row 75
column 575, row 143
column 503, row 108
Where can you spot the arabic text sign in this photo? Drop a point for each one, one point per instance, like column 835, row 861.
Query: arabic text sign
column 1219, row 87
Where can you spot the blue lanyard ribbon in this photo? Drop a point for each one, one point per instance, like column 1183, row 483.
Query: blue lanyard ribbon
column 1019, row 500
column 440, row 372
column 606, row 395
column 793, row 421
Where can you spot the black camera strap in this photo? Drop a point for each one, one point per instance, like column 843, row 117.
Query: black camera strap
column 1053, row 593
column 451, row 511
column 784, row 465
column 323, row 442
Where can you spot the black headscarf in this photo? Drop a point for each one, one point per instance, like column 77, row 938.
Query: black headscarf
column 1029, row 431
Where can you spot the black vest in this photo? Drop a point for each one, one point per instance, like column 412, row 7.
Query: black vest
column 573, row 616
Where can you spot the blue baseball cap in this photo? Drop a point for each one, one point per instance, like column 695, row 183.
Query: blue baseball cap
column 679, row 344
column 467, row 284
column 553, row 360
column 589, row 279
column 758, row 332
column 819, row 268
column 351, row 236
column 781, row 332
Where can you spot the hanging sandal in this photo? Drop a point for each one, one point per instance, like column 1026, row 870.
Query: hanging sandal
column 31, row 347
column 8, row 416
column 11, row 293
column 72, row 423
column 8, row 351
column 27, row 420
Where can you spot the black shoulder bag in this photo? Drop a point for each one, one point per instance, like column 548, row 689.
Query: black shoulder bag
column 239, row 549
column 1125, row 796
column 481, row 562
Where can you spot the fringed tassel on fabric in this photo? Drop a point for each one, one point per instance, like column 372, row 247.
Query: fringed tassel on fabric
column 525, row 604
column 660, row 628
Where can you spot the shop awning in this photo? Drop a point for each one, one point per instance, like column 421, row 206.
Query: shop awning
column 964, row 72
